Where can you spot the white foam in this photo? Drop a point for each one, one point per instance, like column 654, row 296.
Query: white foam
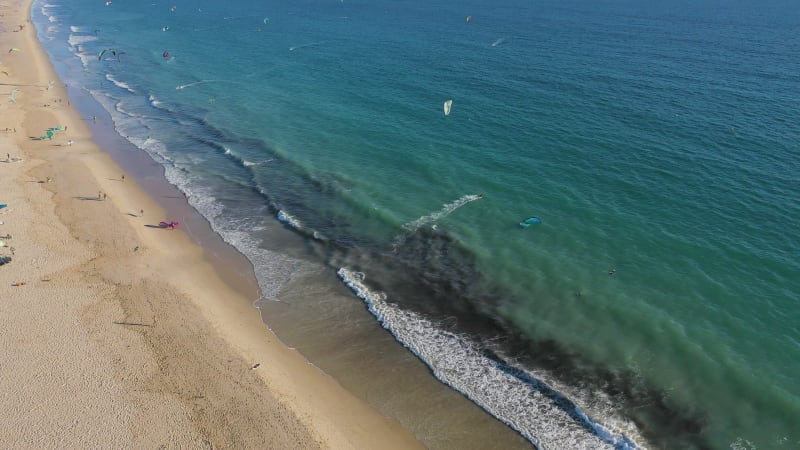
column 76, row 39
column 273, row 270
column 86, row 58
column 411, row 227
column 154, row 101
column 444, row 212
column 288, row 219
column 120, row 84
column 742, row 444
column 456, row 361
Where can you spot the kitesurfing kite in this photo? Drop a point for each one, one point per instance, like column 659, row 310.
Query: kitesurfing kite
column 14, row 49
column 52, row 132
column 109, row 50
column 447, row 105
column 530, row 221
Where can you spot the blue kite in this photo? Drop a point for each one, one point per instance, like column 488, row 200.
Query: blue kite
column 530, row 221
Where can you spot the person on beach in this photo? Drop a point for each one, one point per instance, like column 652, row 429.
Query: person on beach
column 123, row 177
column 141, row 212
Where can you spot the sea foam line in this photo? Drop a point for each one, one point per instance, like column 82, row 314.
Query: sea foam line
column 120, row 84
column 287, row 218
column 75, row 40
column 446, row 210
column 522, row 401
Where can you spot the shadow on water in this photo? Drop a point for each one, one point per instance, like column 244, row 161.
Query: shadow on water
column 435, row 276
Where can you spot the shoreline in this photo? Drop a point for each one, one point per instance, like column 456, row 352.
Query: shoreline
column 148, row 328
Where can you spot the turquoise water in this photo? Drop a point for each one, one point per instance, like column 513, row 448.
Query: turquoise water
column 658, row 299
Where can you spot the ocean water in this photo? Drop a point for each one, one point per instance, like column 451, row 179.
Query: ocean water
column 656, row 304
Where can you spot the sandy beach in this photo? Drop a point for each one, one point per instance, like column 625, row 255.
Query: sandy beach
column 119, row 333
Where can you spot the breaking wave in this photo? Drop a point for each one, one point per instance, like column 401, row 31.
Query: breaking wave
column 516, row 397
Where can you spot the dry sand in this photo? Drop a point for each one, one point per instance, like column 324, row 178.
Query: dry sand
column 123, row 334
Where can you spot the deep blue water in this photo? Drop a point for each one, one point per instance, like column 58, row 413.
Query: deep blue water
column 657, row 302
